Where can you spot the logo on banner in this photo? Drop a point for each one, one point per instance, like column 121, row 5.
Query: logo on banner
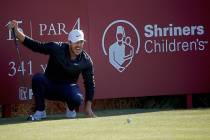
column 25, row 93
column 121, row 42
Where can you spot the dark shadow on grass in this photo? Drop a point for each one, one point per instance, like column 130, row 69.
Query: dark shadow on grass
column 107, row 113
column 99, row 113
column 23, row 119
column 17, row 120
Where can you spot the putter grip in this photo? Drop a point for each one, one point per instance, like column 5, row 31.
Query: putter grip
column 14, row 36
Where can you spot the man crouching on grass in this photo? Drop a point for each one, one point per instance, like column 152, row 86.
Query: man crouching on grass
column 59, row 82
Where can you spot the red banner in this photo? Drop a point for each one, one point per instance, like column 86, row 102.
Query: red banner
column 139, row 48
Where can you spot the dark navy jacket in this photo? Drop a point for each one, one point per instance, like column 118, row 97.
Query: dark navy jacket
column 61, row 69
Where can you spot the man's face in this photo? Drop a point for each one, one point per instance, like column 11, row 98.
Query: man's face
column 77, row 47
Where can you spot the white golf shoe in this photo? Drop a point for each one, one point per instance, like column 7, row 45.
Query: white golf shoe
column 71, row 114
column 38, row 115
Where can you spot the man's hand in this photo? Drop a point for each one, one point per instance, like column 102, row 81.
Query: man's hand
column 88, row 110
column 14, row 25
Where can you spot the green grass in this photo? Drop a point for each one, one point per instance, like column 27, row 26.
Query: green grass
column 112, row 125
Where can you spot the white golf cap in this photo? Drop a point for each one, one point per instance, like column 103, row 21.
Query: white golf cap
column 75, row 36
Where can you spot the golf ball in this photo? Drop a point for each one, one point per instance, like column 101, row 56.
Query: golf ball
column 129, row 120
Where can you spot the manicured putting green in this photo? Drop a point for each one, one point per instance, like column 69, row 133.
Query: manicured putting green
column 113, row 125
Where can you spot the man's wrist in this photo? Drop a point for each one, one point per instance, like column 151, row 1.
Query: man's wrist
column 20, row 35
column 88, row 103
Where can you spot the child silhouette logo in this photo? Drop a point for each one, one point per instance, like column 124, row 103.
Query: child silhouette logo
column 121, row 51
